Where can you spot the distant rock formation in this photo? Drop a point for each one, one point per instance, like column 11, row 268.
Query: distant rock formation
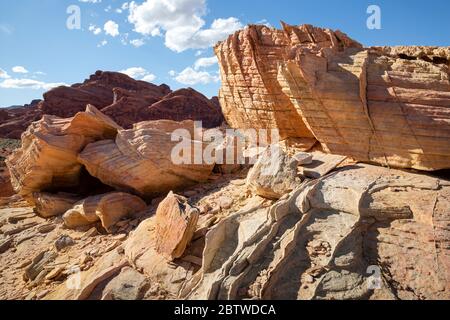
column 125, row 100
column 386, row 105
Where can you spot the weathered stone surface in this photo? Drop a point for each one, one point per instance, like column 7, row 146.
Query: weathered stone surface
column 140, row 159
column 127, row 285
column 274, row 174
column 108, row 208
column 175, row 222
column 63, row 242
column 50, row 205
column 303, row 158
column 38, row 264
column 82, row 284
column 48, row 156
column 325, row 239
column 321, row 164
column 383, row 105
column 250, row 95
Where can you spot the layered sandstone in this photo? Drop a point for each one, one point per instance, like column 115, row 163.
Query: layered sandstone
column 384, row 105
column 362, row 232
column 109, row 208
column 47, row 159
column 140, row 160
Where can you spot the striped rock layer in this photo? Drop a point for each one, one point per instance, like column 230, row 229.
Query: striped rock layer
column 387, row 105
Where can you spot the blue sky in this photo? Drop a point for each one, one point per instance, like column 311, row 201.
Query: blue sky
column 169, row 41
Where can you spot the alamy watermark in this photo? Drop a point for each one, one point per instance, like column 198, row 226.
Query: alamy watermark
column 374, row 282
column 215, row 146
column 73, row 21
column 374, row 20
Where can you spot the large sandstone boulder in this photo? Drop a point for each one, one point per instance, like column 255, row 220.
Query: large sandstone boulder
column 362, row 232
column 274, row 174
column 157, row 241
column 50, row 146
column 383, row 105
column 49, row 205
column 175, row 222
column 109, row 208
column 140, row 159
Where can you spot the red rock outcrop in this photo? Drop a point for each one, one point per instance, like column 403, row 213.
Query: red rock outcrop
column 98, row 91
column 384, row 105
column 47, row 158
column 125, row 100
column 132, row 107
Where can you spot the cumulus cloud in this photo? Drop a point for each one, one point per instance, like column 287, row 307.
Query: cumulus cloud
column 19, row 69
column 139, row 73
column 111, row 28
column 102, row 43
column 28, row 84
column 205, row 62
column 94, row 29
column 191, row 77
column 4, row 74
column 149, row 78
column 137, row 42
column 182, row 22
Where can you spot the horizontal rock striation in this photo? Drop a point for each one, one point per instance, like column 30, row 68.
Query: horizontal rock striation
column 140, row 160
column 387, row 105
column 47, row 159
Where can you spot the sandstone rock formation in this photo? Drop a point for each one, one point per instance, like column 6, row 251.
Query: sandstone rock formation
column 382, row 105
column 125, row 100
column 48, row 157
column 140, row 159
column 109, row 208
column 175, row 222
column 274, row 175
column 97, row 90
column 50, row 205
column 324, row 240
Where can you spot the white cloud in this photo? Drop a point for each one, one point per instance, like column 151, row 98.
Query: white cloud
column 149, row 78
column 198, row 53
column 137, row 42
column 125, row 6
column 264, row 22
column 102, row 44
column 4, row 74
column 6, row 29
column 90, row 1
column 94, row 29
column 205, row 62
column 111, row 28
column 182, row 22
column 190, row 76
column 28, row 84
column 139, row 73
column 118, row 10
column 172, row 73
column 19, row 69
